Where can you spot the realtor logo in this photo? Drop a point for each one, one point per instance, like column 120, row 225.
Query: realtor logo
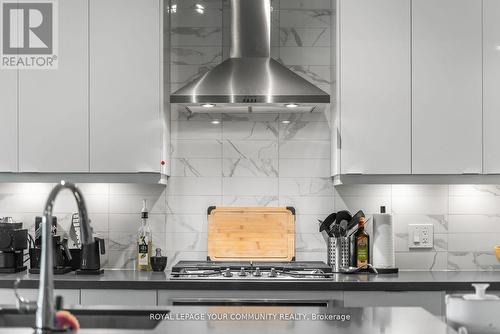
column 28, row 34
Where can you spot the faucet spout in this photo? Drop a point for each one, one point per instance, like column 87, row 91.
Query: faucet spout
column 45, row 313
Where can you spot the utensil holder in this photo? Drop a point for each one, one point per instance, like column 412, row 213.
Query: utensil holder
column 338, row 253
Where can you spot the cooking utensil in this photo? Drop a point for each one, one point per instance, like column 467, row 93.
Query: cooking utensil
column 355, row 219
column 343, row 215
column 497, row 252
column 328, row 223
column 323, row 231
column 343, row 228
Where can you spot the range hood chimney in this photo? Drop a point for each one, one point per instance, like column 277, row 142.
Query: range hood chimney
column 250, row 76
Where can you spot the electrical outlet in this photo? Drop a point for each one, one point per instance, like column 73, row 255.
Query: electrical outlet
column 420, row 236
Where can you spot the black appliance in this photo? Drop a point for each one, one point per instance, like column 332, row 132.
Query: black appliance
column 13, row 242
column 62, row 255
column 90, row 258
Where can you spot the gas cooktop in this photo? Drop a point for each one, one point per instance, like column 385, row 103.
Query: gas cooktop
column 301, row 270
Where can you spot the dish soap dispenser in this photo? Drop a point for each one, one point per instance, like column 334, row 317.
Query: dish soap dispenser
column 144, row 241
column 362, row 245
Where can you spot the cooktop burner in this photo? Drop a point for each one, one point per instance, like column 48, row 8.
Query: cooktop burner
column 251, row 270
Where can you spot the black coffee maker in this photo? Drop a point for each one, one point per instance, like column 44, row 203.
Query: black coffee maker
column 62, row 255
column 13, row 242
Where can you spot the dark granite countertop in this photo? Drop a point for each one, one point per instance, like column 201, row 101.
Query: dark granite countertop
column 368, row 320
column 404, row 281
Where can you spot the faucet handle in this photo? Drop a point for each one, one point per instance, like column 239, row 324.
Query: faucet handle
column 24, row 305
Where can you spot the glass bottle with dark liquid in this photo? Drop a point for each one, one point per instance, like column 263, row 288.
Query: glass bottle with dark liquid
column 362, row 245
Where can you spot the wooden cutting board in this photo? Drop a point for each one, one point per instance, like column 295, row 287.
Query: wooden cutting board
column 251, row 234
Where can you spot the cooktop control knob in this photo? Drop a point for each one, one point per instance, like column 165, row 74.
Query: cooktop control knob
column 227, row 273
column 242, row 272
column 273, row 273
column 257, row 272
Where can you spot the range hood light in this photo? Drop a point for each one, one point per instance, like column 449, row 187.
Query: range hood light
column 285, row 121
column 291, row 105
column 215, row 121
column 208, row 105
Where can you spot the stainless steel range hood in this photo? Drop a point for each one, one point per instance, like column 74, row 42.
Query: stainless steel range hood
column 250, row 76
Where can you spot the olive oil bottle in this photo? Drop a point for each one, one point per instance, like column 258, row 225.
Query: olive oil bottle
column 144, row 241
column 362, row 245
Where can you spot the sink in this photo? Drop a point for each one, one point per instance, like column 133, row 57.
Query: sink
column 110, row 317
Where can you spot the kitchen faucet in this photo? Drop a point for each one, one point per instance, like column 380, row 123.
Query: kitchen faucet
column 45, row 313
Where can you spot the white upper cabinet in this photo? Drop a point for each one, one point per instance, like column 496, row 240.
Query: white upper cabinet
column 375, row 86
column 8, row 120
column 491, row 85
column 125, row 74
column 53, row 104
column 447, row 79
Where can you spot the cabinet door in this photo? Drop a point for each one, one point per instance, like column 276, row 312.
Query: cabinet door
column 432, row 301
column 8, row 119
column 125, row 76
column 118, row 297
column 70, row 297
column 375, row 86
column 53, row 104
column 491, row 77
column 447, row 94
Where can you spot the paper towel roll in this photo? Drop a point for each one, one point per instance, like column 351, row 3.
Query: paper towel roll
column 383, row 241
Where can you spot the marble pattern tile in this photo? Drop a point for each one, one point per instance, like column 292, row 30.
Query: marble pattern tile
column 318, row 149
column 290, row 36
column 199, row 55
column 189, row 17
column 253, row 130
column 466, row 221
column 255, row 186
column 304, row 168
column 197, row 186
column 305, row 55
column 472, row 261
column 197, row 167
column 195, row 36
column 305, row 4
column 195, row 130
column 305, row 18
column 250, row 200
column 191, row 204
column 303, row 130
column 196, row 148
column 309, row 187
column 421, row 260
